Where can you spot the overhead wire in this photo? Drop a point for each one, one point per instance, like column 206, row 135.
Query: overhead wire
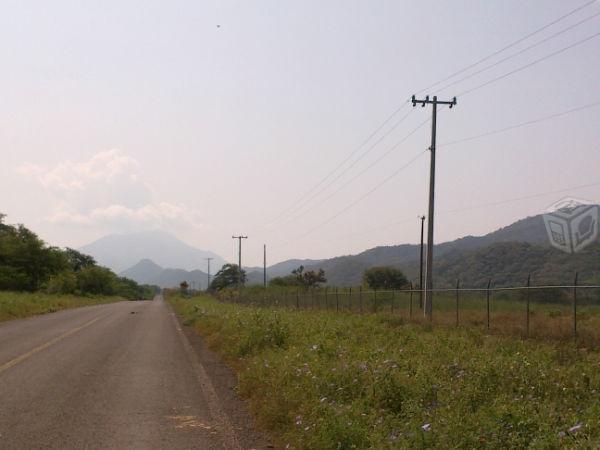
column 512, row 44
column 301, row 203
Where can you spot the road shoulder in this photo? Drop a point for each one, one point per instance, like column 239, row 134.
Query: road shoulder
column 224, row 382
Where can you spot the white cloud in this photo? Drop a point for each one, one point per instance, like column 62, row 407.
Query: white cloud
column 107, row 190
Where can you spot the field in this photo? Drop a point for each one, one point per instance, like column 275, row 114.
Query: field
column 321, row 379
column 17, row 305
column 550, row 314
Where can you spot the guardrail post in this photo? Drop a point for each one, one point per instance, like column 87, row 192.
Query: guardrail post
column 527, row 306
column 575, row 305
column 457, row 298
column 487, row 301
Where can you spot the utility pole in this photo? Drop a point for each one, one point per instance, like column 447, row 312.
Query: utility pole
column 239, row 238
column 265, row 265
column 428, row 306
column 208, row 272
column 421, row 263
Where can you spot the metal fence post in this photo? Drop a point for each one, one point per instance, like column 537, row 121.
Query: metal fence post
column 360, row 298
column 350, row 299
column 527, row 306
column 410, row 302
column 457, row 297
column 487, row 301
column 575, row 305
column 375, row 300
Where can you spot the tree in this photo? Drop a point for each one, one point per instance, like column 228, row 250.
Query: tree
column 78, row 260
column 183, row 287
column 299, row 277
column 230, row 275
column 384, row 277
column 96, row 280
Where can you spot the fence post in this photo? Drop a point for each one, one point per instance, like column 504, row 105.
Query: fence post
column 326, row 302
column 575, row 306
column 297, row 299
column 375, row 300
column 393, row 297
column 457, row 296
column 487, row 301
column 360, row 298
column 527, row 306
column 337, row 299
column 350, row 299
column 410, row 302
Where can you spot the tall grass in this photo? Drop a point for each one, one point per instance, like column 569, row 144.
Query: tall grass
column 321, row 379
column 17, row 305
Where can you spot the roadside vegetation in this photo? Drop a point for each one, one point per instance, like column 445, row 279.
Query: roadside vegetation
column 18, row 305
column 36, row 278
column 325, row 380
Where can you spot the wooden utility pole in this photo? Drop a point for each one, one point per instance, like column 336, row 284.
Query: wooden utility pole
column 208, row 272
column 265, row 265
column 428, row 306
column 239, row 238
column 421, row 263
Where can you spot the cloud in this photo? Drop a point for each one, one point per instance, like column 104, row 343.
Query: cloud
column 107, row 190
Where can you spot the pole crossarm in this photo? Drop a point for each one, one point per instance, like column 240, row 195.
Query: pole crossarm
column 426, row 101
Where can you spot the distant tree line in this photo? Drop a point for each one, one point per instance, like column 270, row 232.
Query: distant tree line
column 27, row 263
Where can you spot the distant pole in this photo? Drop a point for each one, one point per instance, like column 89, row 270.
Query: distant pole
column 239, row 238
column 265, row 265
column 428, row 307
column 208, row 272
column 421, row 263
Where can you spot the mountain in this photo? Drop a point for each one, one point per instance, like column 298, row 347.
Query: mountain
column 121, row 251
column 148, row 272
column 145, row 272
column 508, row 254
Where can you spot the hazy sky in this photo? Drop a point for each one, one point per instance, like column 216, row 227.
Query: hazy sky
column 209, row 119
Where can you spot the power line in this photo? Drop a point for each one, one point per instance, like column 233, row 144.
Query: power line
column 518, row 41
column 527, row 197
column 519, row 52
column 521, row 68
column 478, row 206
column 348, row 158
column 362, row 172
column 362, row 155
column 364, row 196
column 310, row 194
column 520, row 125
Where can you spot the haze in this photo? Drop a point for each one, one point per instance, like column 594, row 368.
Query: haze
column 208, row 119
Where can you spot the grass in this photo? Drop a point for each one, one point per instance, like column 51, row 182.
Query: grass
column 18, row 305
column 326, row 380
column 550, row 317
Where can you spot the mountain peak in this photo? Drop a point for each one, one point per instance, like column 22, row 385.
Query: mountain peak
column 122, row 251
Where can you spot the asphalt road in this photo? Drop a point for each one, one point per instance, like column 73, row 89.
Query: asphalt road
column 116, row 376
